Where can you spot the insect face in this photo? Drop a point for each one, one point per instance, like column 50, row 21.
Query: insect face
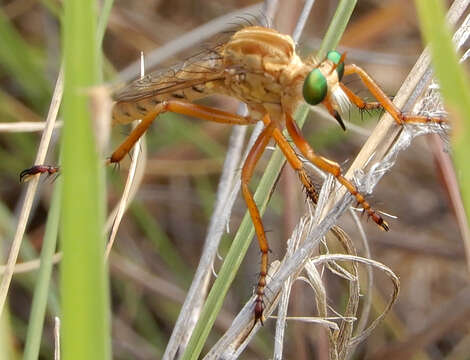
column 323, row 78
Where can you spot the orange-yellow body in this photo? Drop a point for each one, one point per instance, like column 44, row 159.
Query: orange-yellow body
column 258, row 66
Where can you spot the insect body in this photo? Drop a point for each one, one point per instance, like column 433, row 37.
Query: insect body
column 260, row 67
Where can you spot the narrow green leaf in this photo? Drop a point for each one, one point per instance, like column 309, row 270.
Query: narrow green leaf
column 102, row 23
column 337, row 26
column 41, row 290
column 84, row 287
column 454, row 87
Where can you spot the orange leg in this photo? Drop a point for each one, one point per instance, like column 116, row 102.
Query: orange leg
column 331, row 167
column 180, row 107
column 255, row 153
column 296, row 164
column 247, row 171
column 293, row 160
column 356, row 100
column 383, row 99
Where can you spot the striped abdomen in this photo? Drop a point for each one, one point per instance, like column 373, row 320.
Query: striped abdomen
column 190, row 81
column 127, row 111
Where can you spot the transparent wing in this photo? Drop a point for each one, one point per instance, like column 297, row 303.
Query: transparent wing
column 199, row 69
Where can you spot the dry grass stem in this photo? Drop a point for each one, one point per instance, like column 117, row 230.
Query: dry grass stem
column 133, row 180
column 366, row 292
column 31, row 191
column 56, row 338
column 29, row 266
column 100, row 110
column 26, row 126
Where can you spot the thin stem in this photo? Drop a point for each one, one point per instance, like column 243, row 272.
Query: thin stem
column 41, row 291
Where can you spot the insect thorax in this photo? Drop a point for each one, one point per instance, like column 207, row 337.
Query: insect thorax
column 259, row 63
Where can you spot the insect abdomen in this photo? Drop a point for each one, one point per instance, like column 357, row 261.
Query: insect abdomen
column 125, row 112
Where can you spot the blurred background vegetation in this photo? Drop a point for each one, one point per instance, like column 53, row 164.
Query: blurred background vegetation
column 160, row 239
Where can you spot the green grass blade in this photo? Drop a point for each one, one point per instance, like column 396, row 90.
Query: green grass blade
column 84, row 287
column 454, row 87
column 102, row 22
column 245, row 232
column 41, row 291
column 8, row 346
column 337, row 27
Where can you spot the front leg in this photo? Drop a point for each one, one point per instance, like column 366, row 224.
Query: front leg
column 360, row 103
column 383, row 100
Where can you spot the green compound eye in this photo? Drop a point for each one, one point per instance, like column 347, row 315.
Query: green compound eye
column 336, row 57
column 315, row 87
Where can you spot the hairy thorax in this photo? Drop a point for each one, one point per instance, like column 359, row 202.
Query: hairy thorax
column 263, row 66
